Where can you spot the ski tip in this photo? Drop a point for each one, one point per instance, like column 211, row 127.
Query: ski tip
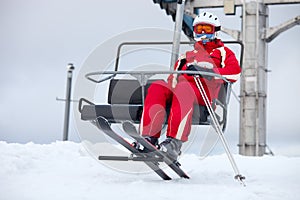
column 129, row 127
column 126, row 123
column 103, row 122
column 100, row 118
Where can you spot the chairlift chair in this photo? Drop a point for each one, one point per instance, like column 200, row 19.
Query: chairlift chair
column 126, row 96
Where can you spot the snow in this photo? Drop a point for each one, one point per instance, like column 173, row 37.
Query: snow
column 64, row 170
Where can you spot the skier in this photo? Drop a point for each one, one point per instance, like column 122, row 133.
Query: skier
column 181, row 92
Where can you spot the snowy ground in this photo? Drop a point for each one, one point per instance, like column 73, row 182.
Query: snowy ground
column 64, row 170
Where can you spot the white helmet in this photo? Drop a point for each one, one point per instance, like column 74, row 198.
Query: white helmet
column 207, row 18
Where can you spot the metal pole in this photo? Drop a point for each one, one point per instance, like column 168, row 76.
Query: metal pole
column 177, row 32
column 253, row 82
column 70, row 68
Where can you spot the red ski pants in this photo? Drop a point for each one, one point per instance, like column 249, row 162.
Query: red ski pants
column 182, row 99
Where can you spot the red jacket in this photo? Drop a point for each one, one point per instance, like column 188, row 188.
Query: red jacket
column 222, row 60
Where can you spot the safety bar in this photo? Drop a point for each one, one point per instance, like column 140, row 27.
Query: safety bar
column 145, row 74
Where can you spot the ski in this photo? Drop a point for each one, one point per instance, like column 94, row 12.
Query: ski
column 130, row 129
column 104, row 125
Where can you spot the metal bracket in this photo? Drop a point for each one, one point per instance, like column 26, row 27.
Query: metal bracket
column 233, row 33
column 272, row 32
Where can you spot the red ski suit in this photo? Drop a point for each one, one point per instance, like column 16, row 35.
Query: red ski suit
column 182, row 93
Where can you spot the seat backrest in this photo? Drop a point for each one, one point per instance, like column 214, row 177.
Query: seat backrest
column 126, row 91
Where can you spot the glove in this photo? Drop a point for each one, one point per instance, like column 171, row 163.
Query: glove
column 200, row 69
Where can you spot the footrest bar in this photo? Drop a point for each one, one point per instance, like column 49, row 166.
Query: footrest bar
column 126, row 158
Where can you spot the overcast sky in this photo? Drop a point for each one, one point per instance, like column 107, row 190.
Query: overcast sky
column 39, row 37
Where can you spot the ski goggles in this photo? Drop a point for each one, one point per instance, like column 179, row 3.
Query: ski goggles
column 204, row 28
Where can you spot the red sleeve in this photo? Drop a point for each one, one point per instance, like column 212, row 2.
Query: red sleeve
column 229, row 66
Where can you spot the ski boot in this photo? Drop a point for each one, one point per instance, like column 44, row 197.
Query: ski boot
column 171, row 147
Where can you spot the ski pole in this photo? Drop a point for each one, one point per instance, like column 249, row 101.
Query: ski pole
column 219, row 131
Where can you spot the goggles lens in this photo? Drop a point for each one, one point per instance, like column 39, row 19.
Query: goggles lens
column 204, row 28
